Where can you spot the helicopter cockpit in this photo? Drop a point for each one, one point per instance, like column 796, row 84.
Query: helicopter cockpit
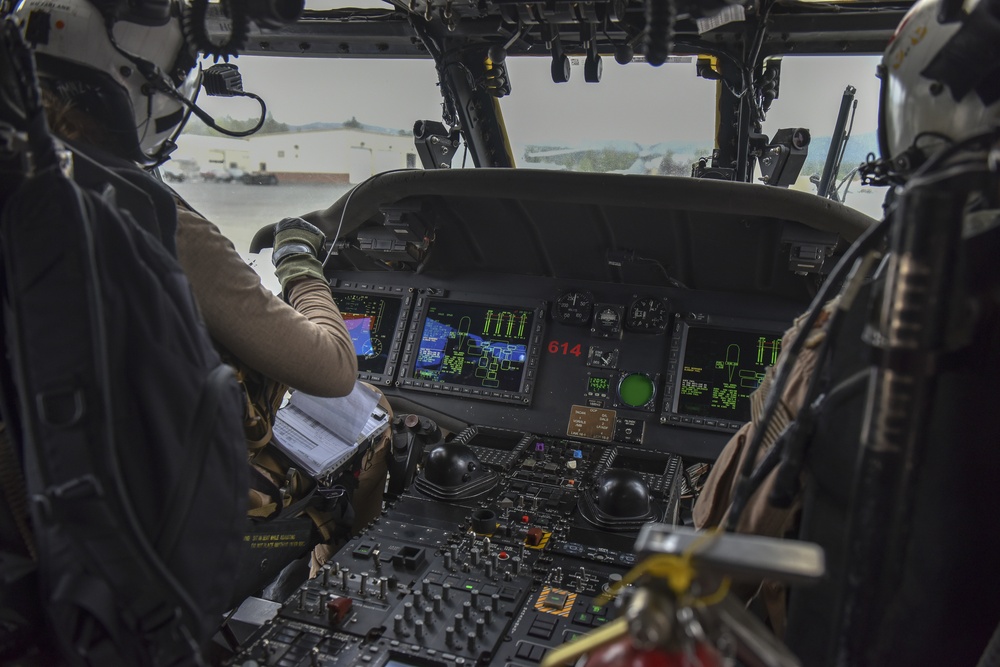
column 570, row 240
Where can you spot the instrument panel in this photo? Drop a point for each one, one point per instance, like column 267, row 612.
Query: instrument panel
column 583, row 401
column 577, row 383
column 669, row 369
column 494, row 568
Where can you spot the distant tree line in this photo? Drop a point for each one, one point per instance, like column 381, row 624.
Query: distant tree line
column 195, row 125
column 271, row 126
column 671, row 166
column 610, row 160
column 670, row 163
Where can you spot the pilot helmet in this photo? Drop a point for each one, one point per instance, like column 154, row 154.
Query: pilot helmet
column 940, row 79
column 125, row 63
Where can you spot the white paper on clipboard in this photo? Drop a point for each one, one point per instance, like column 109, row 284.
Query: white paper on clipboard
column 323, row 434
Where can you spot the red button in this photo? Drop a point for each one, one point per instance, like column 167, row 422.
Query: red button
column 338, row 608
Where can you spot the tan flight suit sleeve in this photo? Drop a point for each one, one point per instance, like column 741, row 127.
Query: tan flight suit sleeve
column 303, row 343
column 759, row 517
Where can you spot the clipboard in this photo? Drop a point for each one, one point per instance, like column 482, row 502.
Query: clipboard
column 321, row 435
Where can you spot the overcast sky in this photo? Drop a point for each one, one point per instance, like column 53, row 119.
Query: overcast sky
column 636, row 102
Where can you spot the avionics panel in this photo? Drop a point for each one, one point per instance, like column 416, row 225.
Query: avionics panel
column 714, row 365
column 480, row 347
column 376, row 320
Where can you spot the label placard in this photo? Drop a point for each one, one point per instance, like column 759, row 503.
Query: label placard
column 593, row 423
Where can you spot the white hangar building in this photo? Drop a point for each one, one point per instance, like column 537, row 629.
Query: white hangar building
column 349, row 153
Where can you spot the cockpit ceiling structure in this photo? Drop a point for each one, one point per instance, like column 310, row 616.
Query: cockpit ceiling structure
column 619, row 28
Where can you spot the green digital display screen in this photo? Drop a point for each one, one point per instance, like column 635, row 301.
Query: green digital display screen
column 719, row 370
column 598, row 385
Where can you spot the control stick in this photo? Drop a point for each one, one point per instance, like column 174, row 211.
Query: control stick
column 411, row 434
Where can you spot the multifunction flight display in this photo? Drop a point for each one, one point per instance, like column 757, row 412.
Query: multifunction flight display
column 374, row 324
column 488, row 350
column 716, row 370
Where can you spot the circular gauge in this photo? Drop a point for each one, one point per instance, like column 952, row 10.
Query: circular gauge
column 574, row 307
column 371, row 348
column 608, row 320
column 648, row 313
column 636, row 390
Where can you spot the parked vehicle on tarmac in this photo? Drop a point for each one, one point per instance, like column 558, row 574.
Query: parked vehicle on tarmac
column 223, row 175
column 259, row 178
column 216, row 175
column 180, row 171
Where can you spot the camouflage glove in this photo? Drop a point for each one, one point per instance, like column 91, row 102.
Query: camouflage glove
column 297, row 246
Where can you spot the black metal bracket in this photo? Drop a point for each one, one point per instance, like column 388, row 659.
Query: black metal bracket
column 436, row 145
column 808, row 248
